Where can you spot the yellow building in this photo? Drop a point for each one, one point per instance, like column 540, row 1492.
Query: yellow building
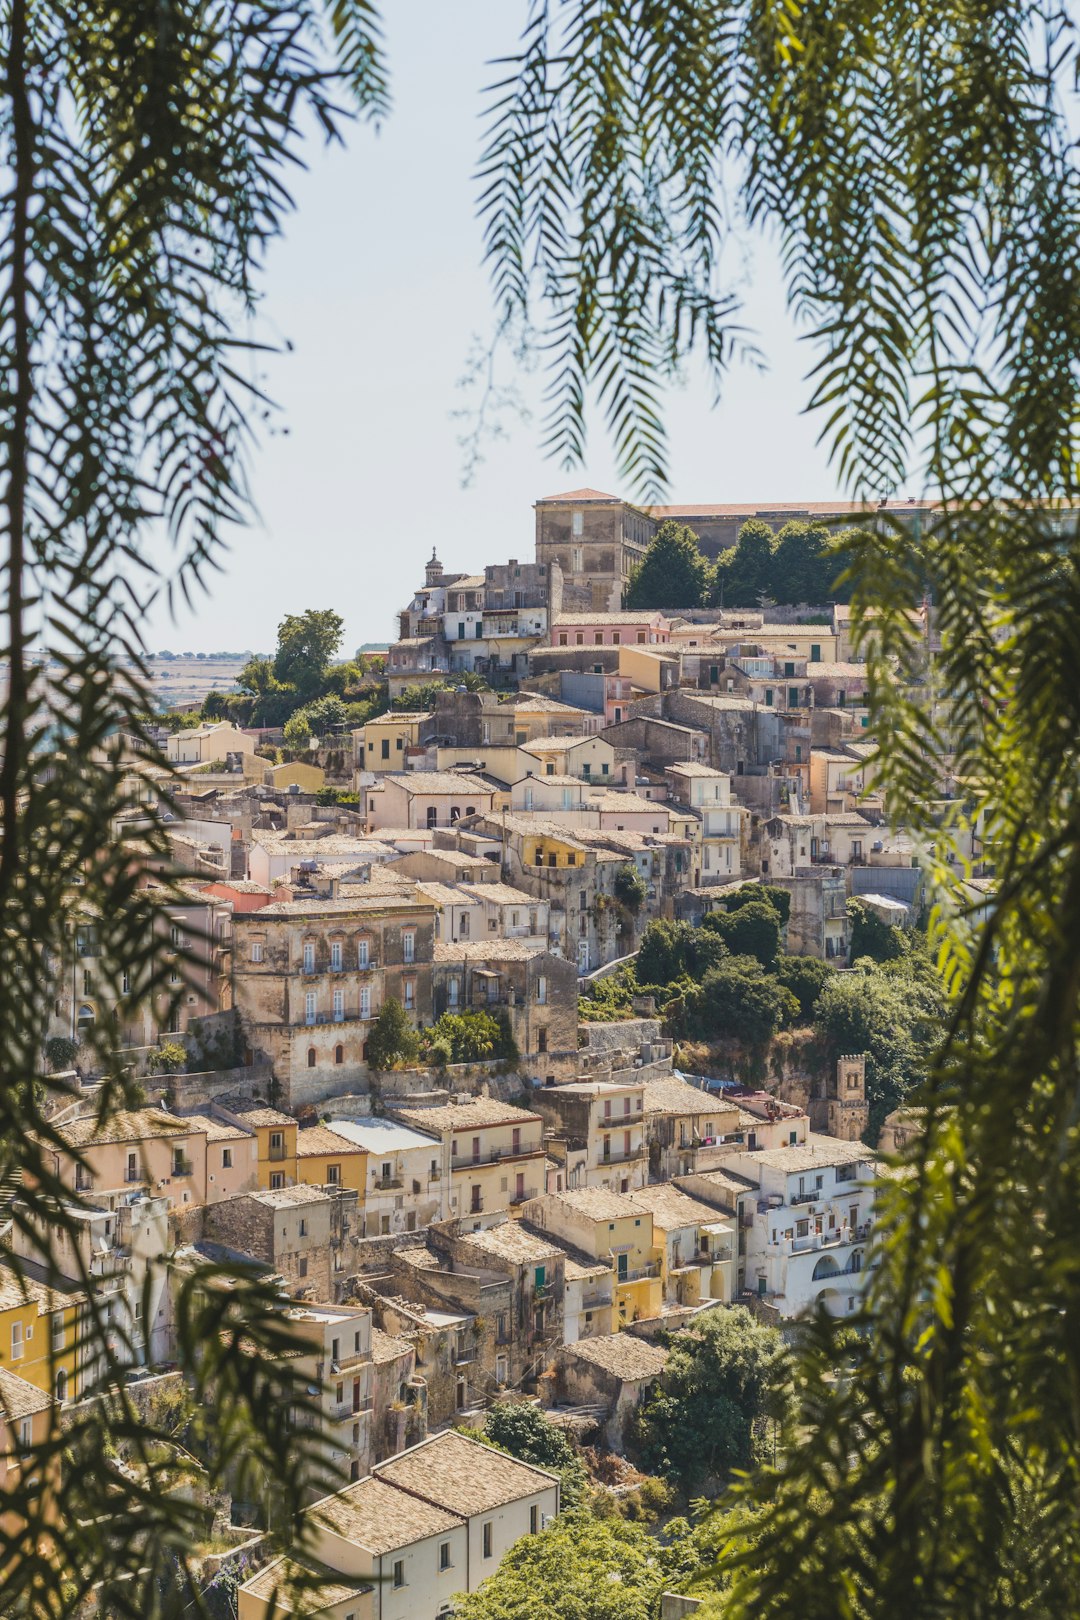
column 309, row 778
column 39, row 1331
column 609, row 1226
column 386, row 740
column 325, row 1159
column 275, row 1134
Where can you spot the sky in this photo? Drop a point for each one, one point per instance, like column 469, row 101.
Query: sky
column 378, row 286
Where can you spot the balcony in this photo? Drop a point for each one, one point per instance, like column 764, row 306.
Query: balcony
column 388, row 1183
column 815, row 1196
column 496, row 1156
column 815, row 1241
column 651, row 1268
column 184, row 1167
column 621, row 1158
column 277, row 1154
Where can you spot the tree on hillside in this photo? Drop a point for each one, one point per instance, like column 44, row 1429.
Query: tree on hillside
column 800, row 570
column 726, row 1383
column 750, row 930
column 307, row 644
column 750, row 574
column 872, row 937
column 806, row 977
column 579, row 1568
column 736, row 1001
column 522, row 1429
column 895, row 1014
column 673, row 573
column 392, row 1039
column 750, row 893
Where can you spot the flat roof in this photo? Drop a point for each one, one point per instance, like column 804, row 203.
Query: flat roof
column 382, row 1135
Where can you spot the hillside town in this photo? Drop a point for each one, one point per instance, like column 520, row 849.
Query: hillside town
column 486, row 1037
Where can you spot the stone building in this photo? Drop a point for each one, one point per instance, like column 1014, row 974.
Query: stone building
column 535, row 989
column 595, row 539
column 307, row 1235
column 598, row 1133
column 491, row 1153
column 311, row 975
column 839, row 1107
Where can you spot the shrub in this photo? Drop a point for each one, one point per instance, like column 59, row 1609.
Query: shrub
column 630, row 890
column 752, row 929
column 738, row 1001
column 60, row 1052
column 805, row 977
column 169, row 1058
column 393, row 1039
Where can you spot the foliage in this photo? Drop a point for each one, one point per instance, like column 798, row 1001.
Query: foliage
column 673, row 572
column 630, row 890
column 60, row 1052
column 750, row 893
column 738, row 1001
column 805, row 977
column 314, row 722
column 895, row 1014
column 392, row 1040
column 418, row 699
column 468, row 1037
column 671, row 951
column 168, row 1058
column 306, row 645
column 750, row 930
column 523, row 1430
column 749, row 576
column 609, row 998
column 579, row 1568
column 726, row 1378
column 872, row 937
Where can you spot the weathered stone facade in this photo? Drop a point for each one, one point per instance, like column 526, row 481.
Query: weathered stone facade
column 596, row 540
column 311, row 975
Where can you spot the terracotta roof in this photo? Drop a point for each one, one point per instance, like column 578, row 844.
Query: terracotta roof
column 287, row 1197
column 20, row 1399
column 19, row 1287
column 376, row 1515
column 482, row 950
column 817, row 670
column 627, row 616
column 582, row 495
column 302, row 1586
column 383, row 899
column 727, row 1181
column 320, row 1139
column 136, row 1125
column 671, row 1208
column 533, row 703
column 257, row 1114
column 386, row 1347
column 500, row 894
column 671, row 1095
column 438, row 782
column 216, row 1130
column 815, row 1153
column 514, row 1242
column 596, row 1202
column 621, row 1354
column 466, row 1116
column 788, row 509
column 464, row 1475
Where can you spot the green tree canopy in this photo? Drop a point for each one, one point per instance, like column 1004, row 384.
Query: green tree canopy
column 522, row 1429
column 674, row 573
column 750, row 573
column 727, row 1376
column 392, row 1039
column 805, row 977
column 579, row 1568
column 306, row 646
column 738, row 1001
column 750, row 930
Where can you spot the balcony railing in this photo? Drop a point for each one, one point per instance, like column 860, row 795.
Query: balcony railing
column 651, row 1268
column 387, row 1183
column 621, row 1158
column 815, row 1195
column 496, row 1156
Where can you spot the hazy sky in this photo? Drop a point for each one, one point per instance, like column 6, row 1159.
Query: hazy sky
column 378, row 286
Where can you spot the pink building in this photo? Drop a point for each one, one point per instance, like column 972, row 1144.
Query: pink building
column 628, row 629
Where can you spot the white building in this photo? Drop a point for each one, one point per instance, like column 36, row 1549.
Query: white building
column 719, row 821
column 405, row 1183
column 806, row 1240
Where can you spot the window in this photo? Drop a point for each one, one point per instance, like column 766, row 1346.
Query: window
column 453, row 990
column 408, row 945
column 125, row 983
column 338, row 1004
column 16, row 1341
column 256, row 950
column 487, row 1539
column 444, row 1555
column 542, row 1039
column 815, row 652
column 311, row 1051
column 25, row 1434
column 303, row 1227
column 534, row 1519
column 309, row 1007
column 179, row 1162
column 577, row 562
column 362, row 953
column 399, row 1572
column 333, row 1175
column 58, row 1332
column 616, row 637
column 409, row 987
column 87, row 983
column 768, row 697
column 226, row 1158
column 577, row 523
column 309, row 957
column 302, row 1266
column 793, row 697
column 365, row 1002
column 335, row 956
column 61, row 1385
column 132, row 1172
column 277, row 1180
column 386, row 748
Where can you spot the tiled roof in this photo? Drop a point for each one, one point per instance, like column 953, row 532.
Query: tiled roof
column 816, row 671
column 302, row 1586
column 438, row 782
column 671, row 1208
column 533, row 703
column 464, row 1475
column 512, row 1241
column 136, row 1125
column 816, row 1153
column 19, row 1399
column 471, row 1115
column 671, row 1095
column 597, row 1203
column 216, row 1130
column 381, row 900
column 621, row 1354
column 320, row 1139
column 728, row 1181
column 289, row 1197
column 483, row 950
column 500, row 894
column 630, row 616
column 257, row 1114
column 582, row 495
column 376, row 1515
column 386, row 1347
column 20, row 1288
column 793, row 509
